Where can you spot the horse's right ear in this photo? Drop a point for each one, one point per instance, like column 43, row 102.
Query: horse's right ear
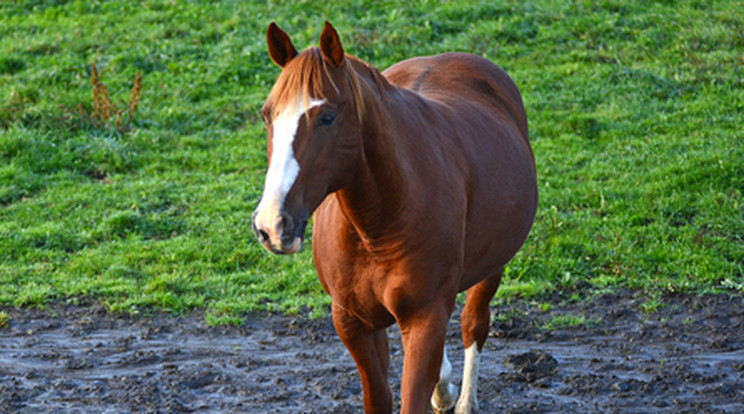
column 281, row 48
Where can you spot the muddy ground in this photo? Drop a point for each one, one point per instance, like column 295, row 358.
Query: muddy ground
column 686, row 357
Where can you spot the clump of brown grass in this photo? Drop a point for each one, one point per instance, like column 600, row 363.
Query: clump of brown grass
column 104, row 109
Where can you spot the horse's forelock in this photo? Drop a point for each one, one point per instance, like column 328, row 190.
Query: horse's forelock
column 303, row 78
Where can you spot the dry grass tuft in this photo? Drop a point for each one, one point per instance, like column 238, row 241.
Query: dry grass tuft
column 105, row 110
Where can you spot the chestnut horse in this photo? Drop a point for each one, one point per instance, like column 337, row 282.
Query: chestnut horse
column 423, row 185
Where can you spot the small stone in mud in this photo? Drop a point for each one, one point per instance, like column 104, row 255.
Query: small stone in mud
column 628, row 386
column 532, row 365
column 76, row 363
column 170, row 367
column 32, row 375
column 198, row 378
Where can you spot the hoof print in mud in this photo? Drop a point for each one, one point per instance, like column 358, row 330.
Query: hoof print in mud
column 535, row 367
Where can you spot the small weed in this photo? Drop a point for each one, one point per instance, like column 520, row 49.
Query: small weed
column 104, row 110
column 4, row 320
column 500, row 317
column 737, row 285
column 507, row 316
column 652, row 304
column 213, row 319
column 566, row 321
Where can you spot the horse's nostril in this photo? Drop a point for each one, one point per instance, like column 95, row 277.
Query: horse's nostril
column 262, row 235
column 285, row 223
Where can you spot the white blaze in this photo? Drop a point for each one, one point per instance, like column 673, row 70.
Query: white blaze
column 283, row 166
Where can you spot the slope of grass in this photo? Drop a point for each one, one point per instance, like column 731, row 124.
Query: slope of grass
column 635, row 114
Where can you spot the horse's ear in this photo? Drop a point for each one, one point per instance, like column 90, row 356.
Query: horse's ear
column 281, row 48
column 330, row 46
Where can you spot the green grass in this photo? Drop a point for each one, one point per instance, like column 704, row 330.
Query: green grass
column 635, row 113
column 561, row 321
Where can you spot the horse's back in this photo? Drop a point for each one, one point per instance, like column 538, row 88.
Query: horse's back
column 456, row 76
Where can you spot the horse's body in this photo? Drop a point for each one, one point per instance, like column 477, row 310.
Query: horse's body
column 424, row 187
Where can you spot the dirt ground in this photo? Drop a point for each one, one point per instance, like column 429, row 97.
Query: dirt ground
column 686, row 357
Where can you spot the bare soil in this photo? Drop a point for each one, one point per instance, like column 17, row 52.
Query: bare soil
column 686, row 357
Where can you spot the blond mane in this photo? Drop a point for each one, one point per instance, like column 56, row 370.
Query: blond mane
column 303, row 78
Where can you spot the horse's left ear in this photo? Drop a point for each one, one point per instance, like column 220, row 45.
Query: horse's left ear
column 330, row 46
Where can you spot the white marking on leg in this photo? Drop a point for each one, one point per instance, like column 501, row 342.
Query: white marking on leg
column 445, row 392
column 468, row 402
column 283, row 168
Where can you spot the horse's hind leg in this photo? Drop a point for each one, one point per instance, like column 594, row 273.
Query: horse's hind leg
column 372, row 356
column 476, row 318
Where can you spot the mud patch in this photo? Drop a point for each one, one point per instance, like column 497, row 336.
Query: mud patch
column 686, row 357
column 531, row 366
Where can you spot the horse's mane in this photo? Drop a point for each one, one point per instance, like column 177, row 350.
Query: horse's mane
column 303, row 78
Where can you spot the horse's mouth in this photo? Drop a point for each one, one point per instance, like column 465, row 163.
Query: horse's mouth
column 291, row 248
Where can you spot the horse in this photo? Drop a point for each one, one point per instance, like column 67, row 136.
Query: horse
column 423, row 185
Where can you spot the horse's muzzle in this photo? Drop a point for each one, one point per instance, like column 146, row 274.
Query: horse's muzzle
column 279, row 233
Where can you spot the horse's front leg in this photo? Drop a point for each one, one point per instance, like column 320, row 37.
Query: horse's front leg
column 423, row 342
column 370, row 351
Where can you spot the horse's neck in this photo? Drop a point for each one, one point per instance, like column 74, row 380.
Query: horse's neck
column 375, row 200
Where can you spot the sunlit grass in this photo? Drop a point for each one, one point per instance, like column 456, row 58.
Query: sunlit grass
column 635, row 112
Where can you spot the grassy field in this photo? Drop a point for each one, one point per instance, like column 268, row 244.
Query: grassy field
column 142, row 198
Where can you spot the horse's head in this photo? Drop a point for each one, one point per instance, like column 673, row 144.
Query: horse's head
column 313, row 121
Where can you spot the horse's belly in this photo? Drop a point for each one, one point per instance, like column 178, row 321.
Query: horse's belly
column 500, row 215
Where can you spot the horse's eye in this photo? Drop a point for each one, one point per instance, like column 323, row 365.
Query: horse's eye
column 326, row 119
